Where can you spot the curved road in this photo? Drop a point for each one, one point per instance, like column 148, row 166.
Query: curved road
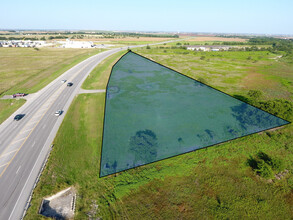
column 25, row 144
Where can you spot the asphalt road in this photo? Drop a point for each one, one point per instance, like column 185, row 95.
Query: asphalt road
column 25, row 144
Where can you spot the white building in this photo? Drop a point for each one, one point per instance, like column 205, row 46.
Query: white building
column 208, row 47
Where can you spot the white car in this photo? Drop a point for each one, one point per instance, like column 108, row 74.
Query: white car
column 63, row 81
column 58, row 112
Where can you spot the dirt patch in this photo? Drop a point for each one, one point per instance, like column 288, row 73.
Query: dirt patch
column 60, row 205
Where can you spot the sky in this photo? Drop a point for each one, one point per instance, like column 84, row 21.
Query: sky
column 216, row 16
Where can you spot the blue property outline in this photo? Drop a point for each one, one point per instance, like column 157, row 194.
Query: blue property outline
column 129, row 51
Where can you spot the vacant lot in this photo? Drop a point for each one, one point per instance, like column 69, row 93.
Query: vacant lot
column 230, row 71
column 216, row 182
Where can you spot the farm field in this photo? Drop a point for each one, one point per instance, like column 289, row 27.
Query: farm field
column 250, row 177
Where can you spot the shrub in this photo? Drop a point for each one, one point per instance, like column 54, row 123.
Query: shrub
column 264, row 165
column 264, row 170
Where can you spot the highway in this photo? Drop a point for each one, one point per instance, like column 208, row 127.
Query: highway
column 25, row 144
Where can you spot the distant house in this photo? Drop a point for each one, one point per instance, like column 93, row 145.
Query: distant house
column 208, row 47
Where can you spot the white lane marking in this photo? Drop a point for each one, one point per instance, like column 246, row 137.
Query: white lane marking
column 8, row 153
column 18, row 169
column 44, row 126
column 4, row 165
column 34, row 144
column 18, row 140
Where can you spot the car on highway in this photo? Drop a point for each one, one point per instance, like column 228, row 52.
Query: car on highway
column 58, row 112
column 18, row 117
column 63, row 81
column 69, row 84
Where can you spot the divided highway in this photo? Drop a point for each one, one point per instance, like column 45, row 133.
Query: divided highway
column 25, row 144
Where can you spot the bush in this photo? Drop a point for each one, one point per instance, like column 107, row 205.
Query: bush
column 264, row 169
column 264, row 165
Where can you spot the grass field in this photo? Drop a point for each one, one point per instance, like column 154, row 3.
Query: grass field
column 230, row 71
column 28, row 70
column 217, row 182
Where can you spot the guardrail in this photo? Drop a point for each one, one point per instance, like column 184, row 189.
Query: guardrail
column 35, row 184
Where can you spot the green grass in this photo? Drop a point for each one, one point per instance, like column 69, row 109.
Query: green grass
column 8, row 106
column 28, row 70
column 215, row 182
column 99, row 76
column 230, row 71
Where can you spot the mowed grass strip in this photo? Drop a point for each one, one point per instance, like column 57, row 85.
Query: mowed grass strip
column 8, row 106
column 99, row 76
column 28, row 70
